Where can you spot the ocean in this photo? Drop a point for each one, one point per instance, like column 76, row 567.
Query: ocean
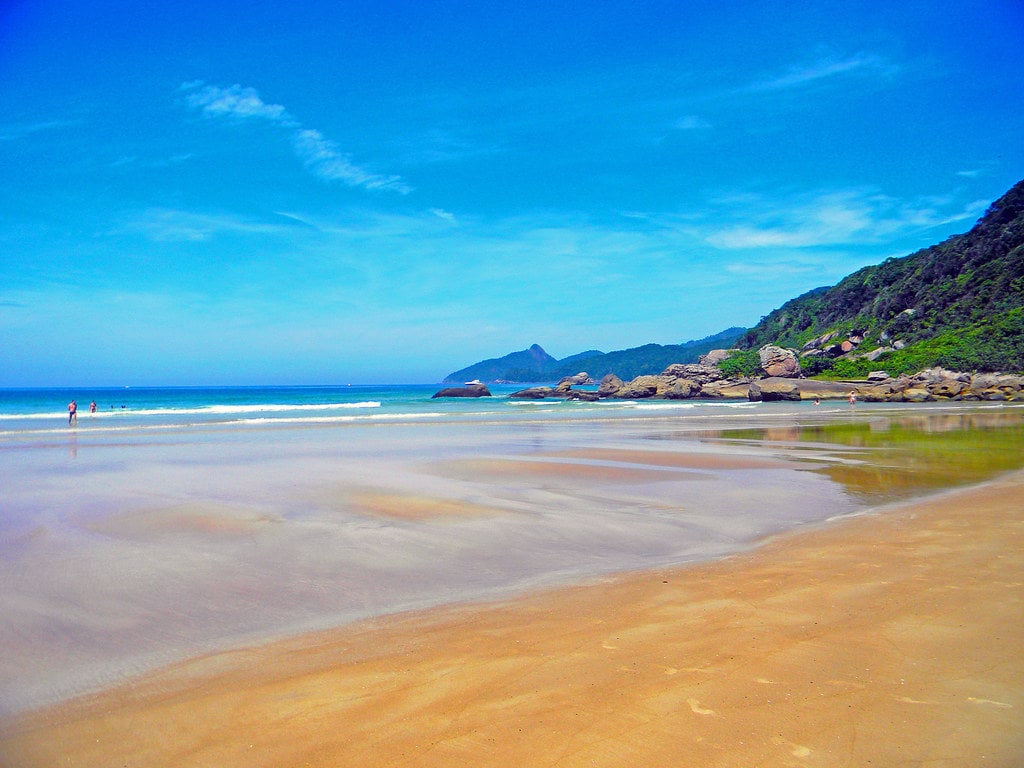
column 28, row 412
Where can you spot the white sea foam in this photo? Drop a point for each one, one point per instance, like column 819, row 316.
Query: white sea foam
column 272, row 408
column 196, row 411
column 340, row 419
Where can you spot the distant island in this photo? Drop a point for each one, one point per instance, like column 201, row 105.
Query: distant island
column 535, row 365
column 950, row 315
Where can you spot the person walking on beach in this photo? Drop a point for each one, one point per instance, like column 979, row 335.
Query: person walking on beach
column 72, row 413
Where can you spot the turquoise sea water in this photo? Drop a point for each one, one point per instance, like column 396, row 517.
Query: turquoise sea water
column 39, row 411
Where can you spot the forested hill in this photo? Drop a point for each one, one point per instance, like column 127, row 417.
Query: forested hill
column 958, row 304
column 534, row 364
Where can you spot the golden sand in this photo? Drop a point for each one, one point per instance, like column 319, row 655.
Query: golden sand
column 886, row 640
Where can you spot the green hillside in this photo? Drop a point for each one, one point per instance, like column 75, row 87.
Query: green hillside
column 958, row 304
column 534, row 364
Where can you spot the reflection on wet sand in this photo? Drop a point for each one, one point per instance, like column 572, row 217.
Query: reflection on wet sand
column 145, row 553
column 889, row 640
column 412, row 507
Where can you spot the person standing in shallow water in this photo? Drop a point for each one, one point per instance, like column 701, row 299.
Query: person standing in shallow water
column 72, row 412
column 853, row 397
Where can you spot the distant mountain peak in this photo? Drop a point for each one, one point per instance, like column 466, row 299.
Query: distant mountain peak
column 535, row 365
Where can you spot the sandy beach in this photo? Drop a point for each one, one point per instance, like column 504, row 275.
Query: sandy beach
column 885, row 638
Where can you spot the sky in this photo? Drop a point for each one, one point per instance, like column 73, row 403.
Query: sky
column 342, row 192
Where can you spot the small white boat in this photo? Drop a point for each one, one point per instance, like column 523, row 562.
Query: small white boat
column 474, row 383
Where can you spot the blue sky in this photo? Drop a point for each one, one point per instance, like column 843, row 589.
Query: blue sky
column 362, row 192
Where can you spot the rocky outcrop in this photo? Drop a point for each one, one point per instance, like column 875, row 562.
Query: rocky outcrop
column 561, row 392
column 777, row 362
column 727, row 389
column 609, row 385
column 848, row 346
column 701, row 373
column 941, row 384
column 773, row 389
column 639, row 388
column 702, row 380
column 715, row 356
column 581, row 379
column 470, row 390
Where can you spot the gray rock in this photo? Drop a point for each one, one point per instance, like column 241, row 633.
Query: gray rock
column 698, row 372
column 580, row 379
column 714, row 357
column 876, row 353
column 609, row 385
column 470, row 390
column 773, row 390
column 639, row 388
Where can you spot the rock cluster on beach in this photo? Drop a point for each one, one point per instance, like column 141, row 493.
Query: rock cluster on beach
column 940, row 384
column 782, row 379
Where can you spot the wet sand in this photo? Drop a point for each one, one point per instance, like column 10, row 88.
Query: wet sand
column 889, row 639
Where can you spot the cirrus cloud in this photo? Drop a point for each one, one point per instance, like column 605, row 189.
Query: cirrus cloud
column 322, row 156
column 318, row 154
column 824, row 69
column 828, row 218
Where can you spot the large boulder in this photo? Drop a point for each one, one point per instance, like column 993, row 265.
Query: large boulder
column 639, row 388
column 726, row 388
column 773, row 389
column 702, row 373
column 609, row 385
column 714, row 357
column 672, row 388
column 947, row 388
column 470, row 390
column 821, row 341
column 562, row 392
column 778, row 362
column 536, row 393
column 917, row 395
column 580, row 379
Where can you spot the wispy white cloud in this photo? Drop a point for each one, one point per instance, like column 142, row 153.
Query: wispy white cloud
column 826, row 68
column 318, row 154
column 322, row 156
column 233, row 101
column 12, row 132
column 691, row 123
column 443, row 214
column 297, row 218
column 173, row 225
column 828, row 218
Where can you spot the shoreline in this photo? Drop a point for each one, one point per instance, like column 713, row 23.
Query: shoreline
column 882, row 637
